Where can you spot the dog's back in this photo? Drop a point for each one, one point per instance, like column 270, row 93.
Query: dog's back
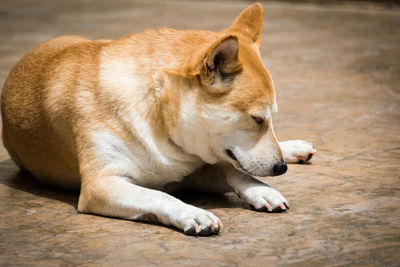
column 25, row 131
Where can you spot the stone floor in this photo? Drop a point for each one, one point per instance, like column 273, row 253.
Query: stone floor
column 337, row 72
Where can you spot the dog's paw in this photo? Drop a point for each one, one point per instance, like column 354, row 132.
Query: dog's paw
column 265, row 198
column 196, row 221
column 297, row 151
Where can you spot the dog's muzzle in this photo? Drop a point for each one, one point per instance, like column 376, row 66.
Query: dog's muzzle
column 279, row 168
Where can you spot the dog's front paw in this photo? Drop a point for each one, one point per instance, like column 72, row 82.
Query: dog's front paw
column 196, row 221
column 265, row 198
column 297, row 151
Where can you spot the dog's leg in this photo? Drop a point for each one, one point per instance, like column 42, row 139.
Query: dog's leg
column 257, row 194
column 222, row 178
column 116, row 196
column 297, row 151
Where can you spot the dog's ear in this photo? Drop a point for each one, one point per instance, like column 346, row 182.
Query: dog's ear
column 250, row 23
column 221, row 64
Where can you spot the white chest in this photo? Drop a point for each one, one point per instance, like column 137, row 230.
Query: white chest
column 151, row 167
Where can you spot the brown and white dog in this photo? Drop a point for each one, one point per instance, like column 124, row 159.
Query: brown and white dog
column 127, row 119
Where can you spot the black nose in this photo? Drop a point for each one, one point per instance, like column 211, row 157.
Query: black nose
column 280, row 168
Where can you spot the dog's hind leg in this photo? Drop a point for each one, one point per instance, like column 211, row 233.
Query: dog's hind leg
column 297, row 151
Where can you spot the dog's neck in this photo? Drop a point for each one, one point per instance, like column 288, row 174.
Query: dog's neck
column 160, row 74
column 181, row 116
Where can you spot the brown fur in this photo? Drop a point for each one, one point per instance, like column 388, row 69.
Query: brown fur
column 51, row 100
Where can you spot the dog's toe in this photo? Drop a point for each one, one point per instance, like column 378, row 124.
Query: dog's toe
column 209, row 230
column 201, row 222
column 190, row 231
column 266, row 199
column 206, row 231
column 278, row 209
column 305, row 158
column 267, row 208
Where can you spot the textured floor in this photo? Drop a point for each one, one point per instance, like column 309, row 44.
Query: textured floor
column 337, row 72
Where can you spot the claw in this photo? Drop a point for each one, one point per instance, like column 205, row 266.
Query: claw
column 282, row 206
column 268, row 207
column 196, row 228
column 214, row 228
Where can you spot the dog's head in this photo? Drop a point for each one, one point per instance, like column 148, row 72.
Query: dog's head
column 226, row 111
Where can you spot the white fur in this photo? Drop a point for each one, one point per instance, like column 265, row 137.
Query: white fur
column 264, row 196
column 133, row 202
column 294, row 151
column 146, row 161
column 255, row 192
column 257, row 153
column 149, row 160
column 206, row 130
column 192, row 132
column 267, row 113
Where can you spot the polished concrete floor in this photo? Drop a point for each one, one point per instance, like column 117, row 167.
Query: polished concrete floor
column 337, row 72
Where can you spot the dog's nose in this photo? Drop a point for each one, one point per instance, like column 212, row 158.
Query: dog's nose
column 280, row 168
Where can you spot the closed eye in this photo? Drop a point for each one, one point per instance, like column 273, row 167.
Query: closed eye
column 258, row 120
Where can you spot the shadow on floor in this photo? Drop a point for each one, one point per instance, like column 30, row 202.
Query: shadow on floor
column 11, row 176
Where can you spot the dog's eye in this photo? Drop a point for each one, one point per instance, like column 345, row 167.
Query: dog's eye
column 258, row 120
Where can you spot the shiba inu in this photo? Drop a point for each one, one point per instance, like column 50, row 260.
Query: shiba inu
column 126, row 121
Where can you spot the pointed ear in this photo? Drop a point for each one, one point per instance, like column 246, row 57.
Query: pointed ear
column 221, row 64
column 250, row 23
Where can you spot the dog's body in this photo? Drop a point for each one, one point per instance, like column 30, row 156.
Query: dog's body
column 124, row 119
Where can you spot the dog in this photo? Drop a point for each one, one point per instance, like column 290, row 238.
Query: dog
column 127, row 121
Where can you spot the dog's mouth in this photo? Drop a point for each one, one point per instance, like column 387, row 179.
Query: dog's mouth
column 231, row 155
column 236, row 162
